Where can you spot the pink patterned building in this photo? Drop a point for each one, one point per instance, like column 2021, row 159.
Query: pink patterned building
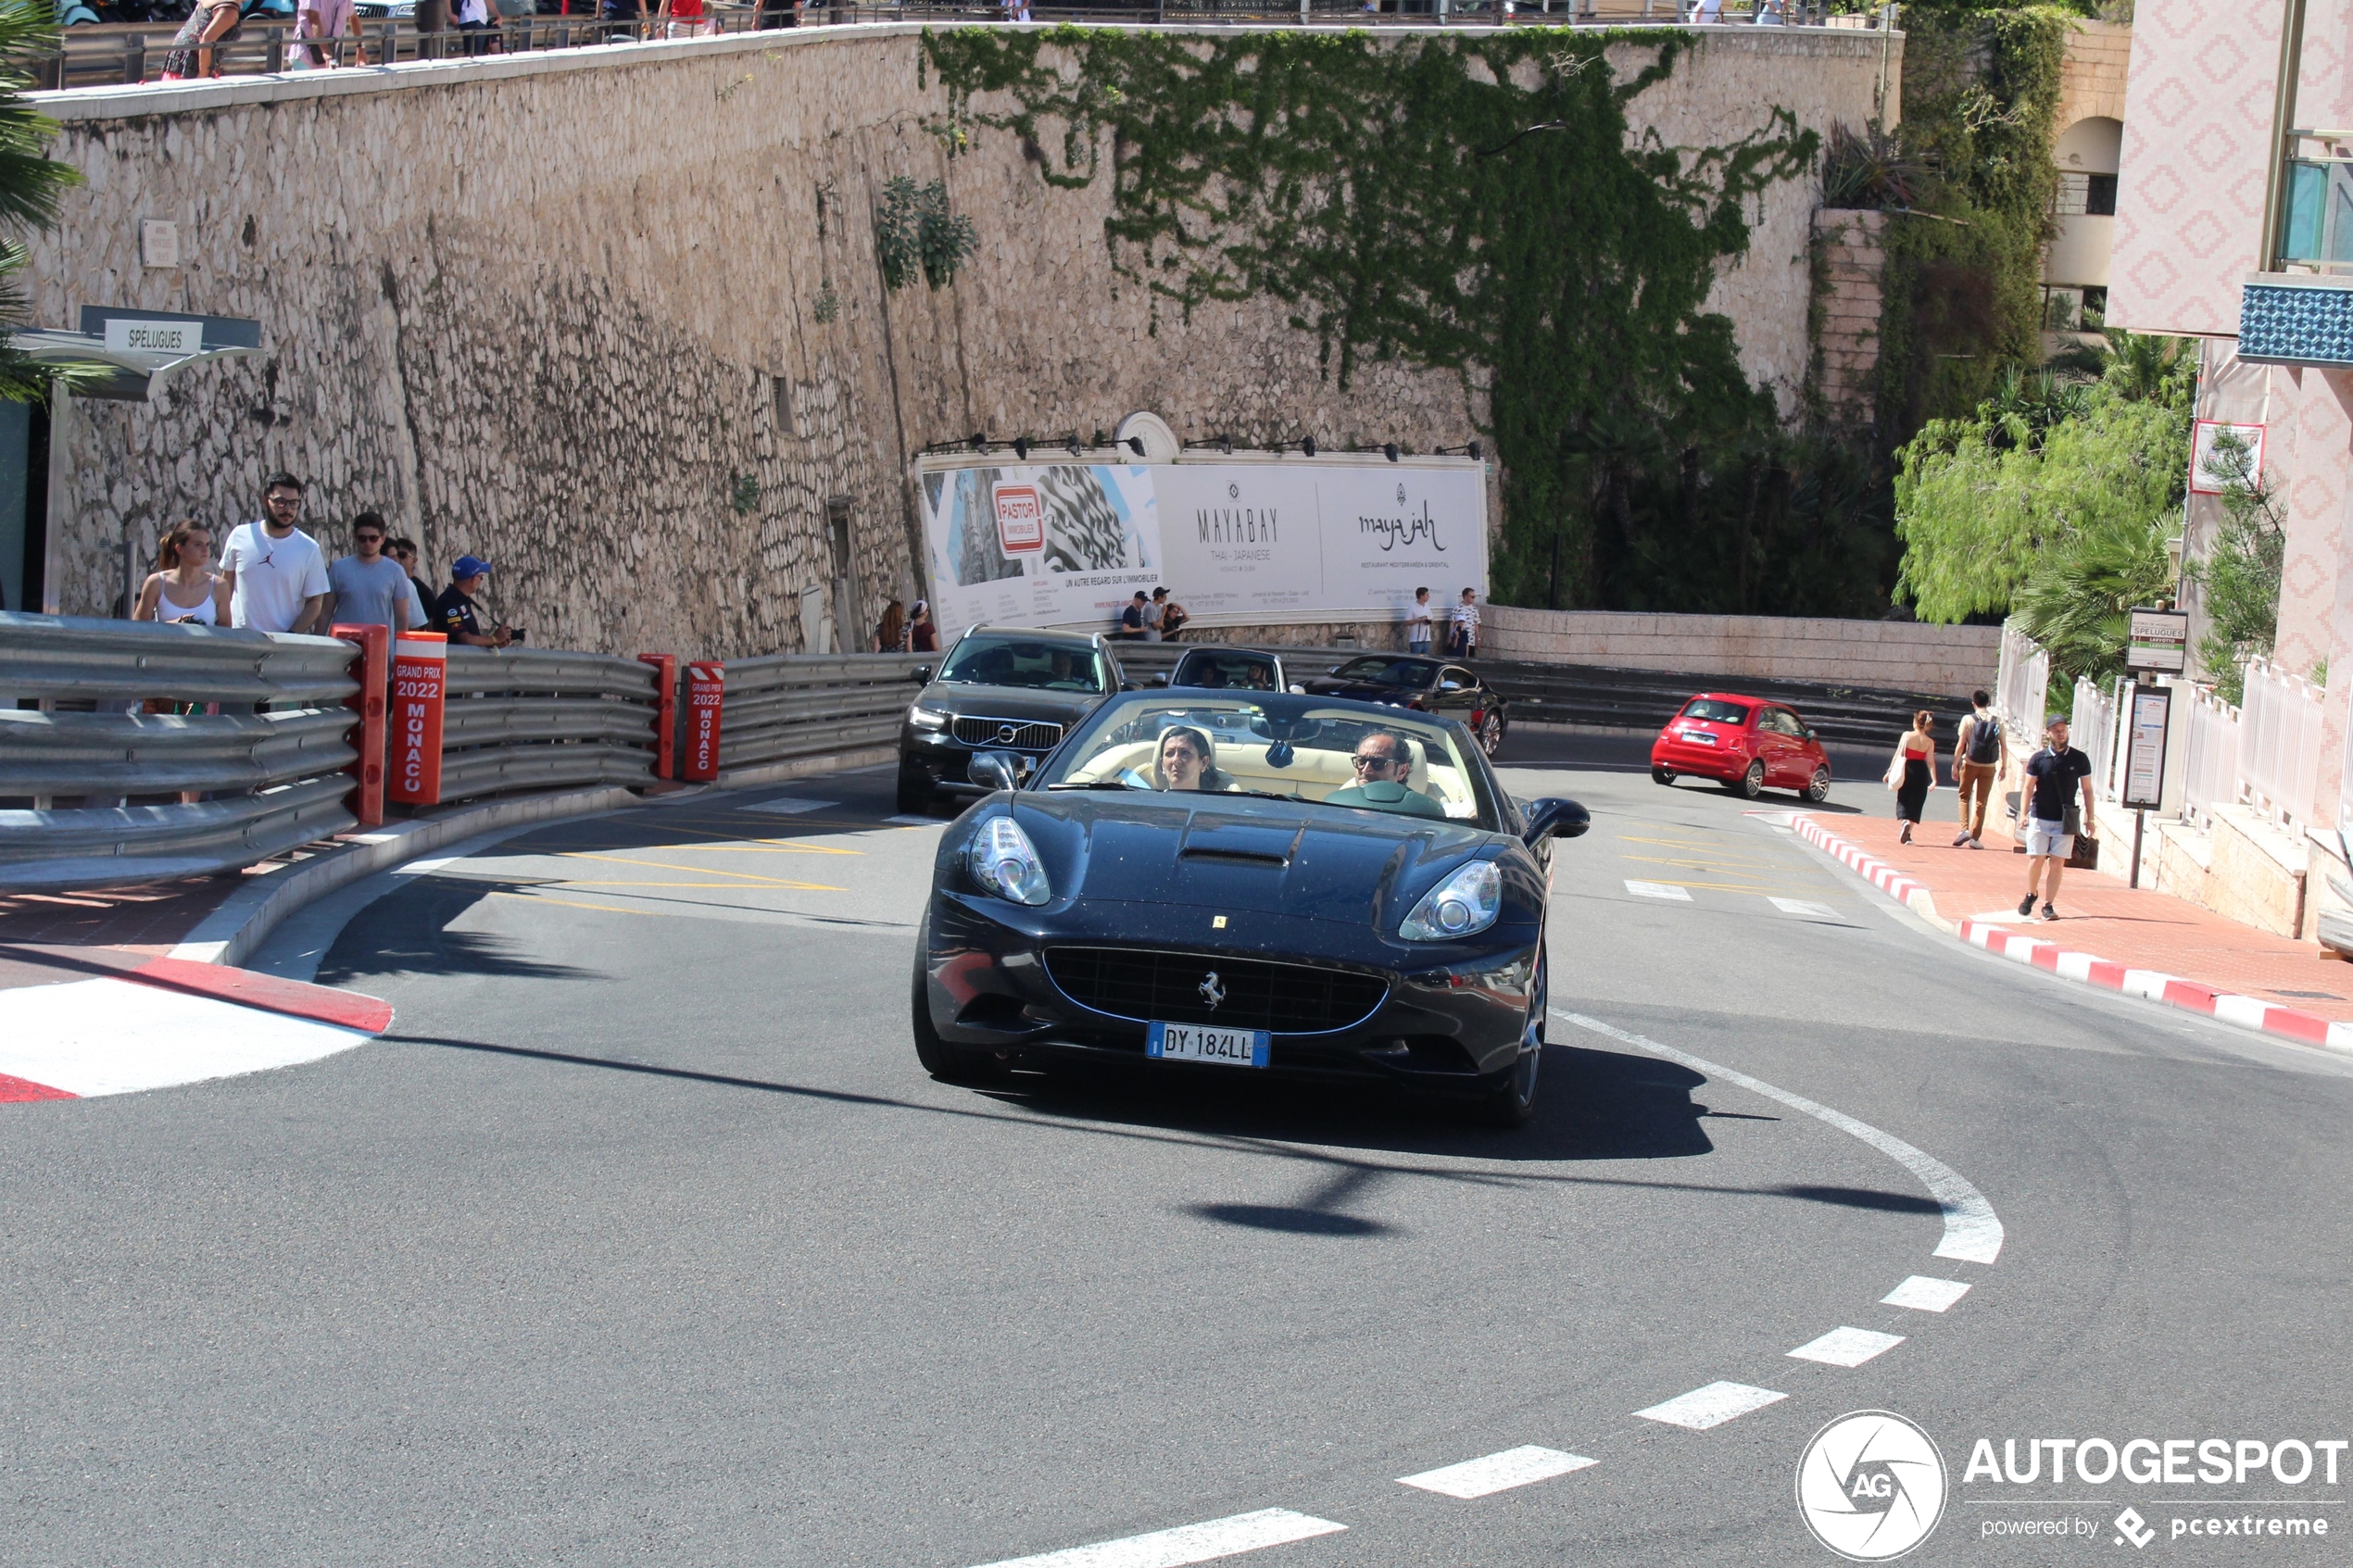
column 2272, row 312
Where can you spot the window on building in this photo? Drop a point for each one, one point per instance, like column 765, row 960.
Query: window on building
column 2099, row 195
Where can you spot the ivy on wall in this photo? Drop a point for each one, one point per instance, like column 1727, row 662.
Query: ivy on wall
column 1475, row 204
column 1962, row 289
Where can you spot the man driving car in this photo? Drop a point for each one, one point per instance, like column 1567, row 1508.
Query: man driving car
column 1383, row 764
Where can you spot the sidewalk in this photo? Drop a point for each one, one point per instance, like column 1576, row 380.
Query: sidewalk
column 2109, row 934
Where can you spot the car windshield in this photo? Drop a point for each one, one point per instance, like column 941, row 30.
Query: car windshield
column 1223, row 672
column 1235, row 747
column 1378, row 671
column 1017, row 661
column 1715, row 712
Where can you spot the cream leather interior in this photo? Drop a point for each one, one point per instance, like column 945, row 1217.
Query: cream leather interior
column 1313, row 773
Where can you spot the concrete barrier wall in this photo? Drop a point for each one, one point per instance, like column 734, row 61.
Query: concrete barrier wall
column 1885, row 655
column 611, row 318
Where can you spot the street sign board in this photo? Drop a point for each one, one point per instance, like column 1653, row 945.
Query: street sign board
column 2145, row 748
column 2157, row 642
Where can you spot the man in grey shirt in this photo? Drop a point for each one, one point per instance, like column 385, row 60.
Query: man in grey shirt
column 370, row 586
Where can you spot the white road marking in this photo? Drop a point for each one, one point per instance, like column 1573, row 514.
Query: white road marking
column 1800, row 907
column 109, row 1036
column 1659, row 890
column 1972, row 1231
column 1711, row 1406
column 1497, row 1472
column 1925, row 1294
column 1847, row 1347
column 791, row 805
column 1187, row 1543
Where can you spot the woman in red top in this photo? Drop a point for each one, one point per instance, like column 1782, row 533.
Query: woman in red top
column 686, row 18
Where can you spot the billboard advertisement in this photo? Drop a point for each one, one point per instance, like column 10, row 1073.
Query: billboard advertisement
column 1238, row 540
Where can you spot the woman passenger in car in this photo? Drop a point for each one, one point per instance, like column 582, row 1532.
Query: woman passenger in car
column 1188, row 761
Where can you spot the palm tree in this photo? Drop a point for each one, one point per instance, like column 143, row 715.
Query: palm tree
column 30, row 184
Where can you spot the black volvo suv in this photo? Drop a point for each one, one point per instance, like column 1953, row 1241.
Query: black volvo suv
column 1001, row 688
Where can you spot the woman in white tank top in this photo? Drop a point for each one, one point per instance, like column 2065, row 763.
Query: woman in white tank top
column 183, row 587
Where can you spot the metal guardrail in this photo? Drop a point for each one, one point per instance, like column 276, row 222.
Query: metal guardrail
column 136, row 779
column 123, row 54
column 541, row 718
column 793, row 706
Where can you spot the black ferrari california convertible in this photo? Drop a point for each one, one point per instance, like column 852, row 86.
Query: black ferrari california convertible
column 1232, row 883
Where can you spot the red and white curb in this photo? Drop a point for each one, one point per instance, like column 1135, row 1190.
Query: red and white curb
column 171, row 1022
column 2251, row 1012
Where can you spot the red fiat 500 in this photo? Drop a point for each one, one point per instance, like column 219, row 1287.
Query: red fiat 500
column 1745, row 744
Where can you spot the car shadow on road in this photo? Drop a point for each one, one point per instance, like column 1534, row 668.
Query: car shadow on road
column 1591, row 1105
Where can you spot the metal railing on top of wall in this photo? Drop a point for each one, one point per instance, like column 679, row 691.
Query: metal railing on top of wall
column 127, row 52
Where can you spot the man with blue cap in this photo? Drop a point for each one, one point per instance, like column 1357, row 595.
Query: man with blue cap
column 453, row 612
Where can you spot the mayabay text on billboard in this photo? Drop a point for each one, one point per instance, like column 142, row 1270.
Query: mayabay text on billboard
column 1239, row 541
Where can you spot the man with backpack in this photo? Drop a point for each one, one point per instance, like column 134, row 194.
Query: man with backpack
column 1976, row 762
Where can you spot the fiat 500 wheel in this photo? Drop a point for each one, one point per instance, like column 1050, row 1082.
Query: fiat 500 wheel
column 1752, row 784
column 1663, row 775
column 1819, row 789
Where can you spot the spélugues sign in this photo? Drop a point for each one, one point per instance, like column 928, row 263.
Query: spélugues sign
column 1239, row 541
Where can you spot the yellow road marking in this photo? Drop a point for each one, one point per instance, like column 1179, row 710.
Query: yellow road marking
column 599, row 881
column 710, row 871
column 1712, row 862
column 575, row 904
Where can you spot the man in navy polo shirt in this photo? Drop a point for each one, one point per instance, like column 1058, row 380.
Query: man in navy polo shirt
column 453, row 611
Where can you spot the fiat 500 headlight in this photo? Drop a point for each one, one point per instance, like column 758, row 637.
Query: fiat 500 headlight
column 1004, row 862
column 1463, row 904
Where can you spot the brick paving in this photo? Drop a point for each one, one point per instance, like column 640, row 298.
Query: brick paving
column 2101, row 916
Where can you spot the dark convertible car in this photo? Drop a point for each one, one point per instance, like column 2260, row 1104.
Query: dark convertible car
column 1215, row 881
column 1445, row 686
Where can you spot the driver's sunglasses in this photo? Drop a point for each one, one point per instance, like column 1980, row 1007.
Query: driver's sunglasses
column 1364, row 762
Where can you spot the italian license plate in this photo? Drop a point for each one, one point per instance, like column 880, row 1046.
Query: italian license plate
column 1190, row 1042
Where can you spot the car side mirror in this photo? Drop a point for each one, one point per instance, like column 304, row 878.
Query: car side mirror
column 1155, row 680
column 1450, row 685
column 920, row 675
column 1555, row 819
column 998, row 770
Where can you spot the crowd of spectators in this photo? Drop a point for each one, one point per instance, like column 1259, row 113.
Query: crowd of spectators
column 271, row 576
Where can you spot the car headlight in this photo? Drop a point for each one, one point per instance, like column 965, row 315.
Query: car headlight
column 926, row 718
column 1463, row 904
column 1005, row 863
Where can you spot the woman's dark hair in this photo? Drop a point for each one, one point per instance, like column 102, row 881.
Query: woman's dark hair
column 167, row 548
column 1212, row 776
column 1923, row 720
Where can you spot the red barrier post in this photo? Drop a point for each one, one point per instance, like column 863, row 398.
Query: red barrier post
column 706, row 697
column 368, row 768
column 420, row 677
column 665, row 713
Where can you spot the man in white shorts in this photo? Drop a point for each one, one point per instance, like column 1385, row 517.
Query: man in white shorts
column 2053, row 775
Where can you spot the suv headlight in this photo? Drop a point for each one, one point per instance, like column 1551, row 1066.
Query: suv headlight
column 1004, row 862
column 1463, row 904
column 926, row 718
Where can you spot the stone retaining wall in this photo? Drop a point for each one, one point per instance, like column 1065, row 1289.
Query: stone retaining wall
column 560, row 310
column 1899, row 656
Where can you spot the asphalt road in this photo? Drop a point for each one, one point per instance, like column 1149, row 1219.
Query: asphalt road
column 643, row 1239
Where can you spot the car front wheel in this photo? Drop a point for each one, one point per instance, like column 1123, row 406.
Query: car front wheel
column 950, row 1064
column 1819, row 789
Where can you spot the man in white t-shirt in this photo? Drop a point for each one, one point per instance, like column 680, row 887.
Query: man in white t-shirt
column 277, row 576
column 1417, row 623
